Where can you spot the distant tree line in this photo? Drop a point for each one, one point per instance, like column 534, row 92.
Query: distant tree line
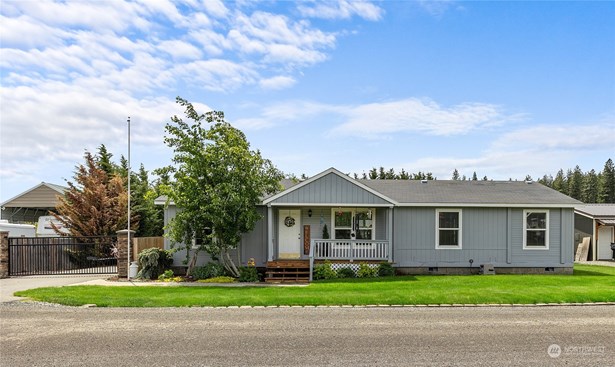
column 390, row 174
column 588, row 187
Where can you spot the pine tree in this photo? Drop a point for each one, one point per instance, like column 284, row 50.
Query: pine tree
column 455, row 175
column 575, row 184
column 607, row 184
column 590, row 187
column 474, row 177
column 559, row 182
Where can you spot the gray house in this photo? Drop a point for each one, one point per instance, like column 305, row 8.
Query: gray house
column 419, row 226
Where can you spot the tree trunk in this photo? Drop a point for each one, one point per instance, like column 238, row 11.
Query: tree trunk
column 192, row 262
column 229, row 265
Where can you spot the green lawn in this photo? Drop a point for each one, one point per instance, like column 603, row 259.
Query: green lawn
column 588, row 284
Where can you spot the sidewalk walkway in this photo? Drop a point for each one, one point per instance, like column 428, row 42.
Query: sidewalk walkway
column 11, row 285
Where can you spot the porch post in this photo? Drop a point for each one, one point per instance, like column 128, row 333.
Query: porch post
column 390, row 234
column 269, row 233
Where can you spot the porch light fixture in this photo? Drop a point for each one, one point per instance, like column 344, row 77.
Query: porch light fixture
column 310, row 213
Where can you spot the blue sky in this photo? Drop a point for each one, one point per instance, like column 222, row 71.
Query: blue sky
column 505, row 89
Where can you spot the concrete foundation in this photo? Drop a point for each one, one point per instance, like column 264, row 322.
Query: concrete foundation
column 474, row 270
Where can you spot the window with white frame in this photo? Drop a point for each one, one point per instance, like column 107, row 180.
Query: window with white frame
column 536, row 229
column 448, row 228
column 353, row 223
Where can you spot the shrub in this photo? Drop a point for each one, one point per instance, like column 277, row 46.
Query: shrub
column 223, row 279
column 385, row 269
column 152, row 262
column 248, row 274
column 366, row 271
column 167, row 275
column 210, row 270
column 324, row 271
column 345, row 273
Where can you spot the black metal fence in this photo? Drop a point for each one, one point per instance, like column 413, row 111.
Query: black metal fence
column 62, row 255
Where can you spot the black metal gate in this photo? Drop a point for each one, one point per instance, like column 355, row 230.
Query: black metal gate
column 62, row 255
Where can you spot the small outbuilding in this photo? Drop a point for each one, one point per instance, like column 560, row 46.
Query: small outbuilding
column 596, row 221
column 33, row 203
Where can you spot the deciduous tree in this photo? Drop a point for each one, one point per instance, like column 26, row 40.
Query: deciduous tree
column 218, row 183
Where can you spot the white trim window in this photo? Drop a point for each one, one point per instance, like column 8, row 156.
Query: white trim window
column 353, row 223
column 535, row 229
column 448, row 228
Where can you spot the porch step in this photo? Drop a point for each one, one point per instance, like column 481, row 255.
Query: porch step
column 288, row 271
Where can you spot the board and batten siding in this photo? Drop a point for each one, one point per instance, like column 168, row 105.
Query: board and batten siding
column 330, row 189
column 489, row 235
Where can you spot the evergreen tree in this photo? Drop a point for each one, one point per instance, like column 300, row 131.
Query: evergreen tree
column 95, row 204
column 559, row 182
column 607, row 183
column 575, row 183
column 590, row 187
column 103, row 160
column 455, row 175
column 474, row 177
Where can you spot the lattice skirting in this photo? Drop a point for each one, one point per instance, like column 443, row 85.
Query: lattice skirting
column 353, row 266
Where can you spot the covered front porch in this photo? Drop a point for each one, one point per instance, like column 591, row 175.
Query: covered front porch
column 330, row 233
column 329, row 217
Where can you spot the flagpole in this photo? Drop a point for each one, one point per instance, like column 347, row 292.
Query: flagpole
column 129, row 242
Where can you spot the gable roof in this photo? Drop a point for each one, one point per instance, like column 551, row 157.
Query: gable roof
column 471, row 193
column 29, row 198
column 340, row 178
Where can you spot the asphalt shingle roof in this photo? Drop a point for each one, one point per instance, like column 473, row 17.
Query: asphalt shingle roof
column 597, row 210
column 469, row 192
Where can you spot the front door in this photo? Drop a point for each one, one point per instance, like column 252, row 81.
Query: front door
column 604, row 243
column 289, row 228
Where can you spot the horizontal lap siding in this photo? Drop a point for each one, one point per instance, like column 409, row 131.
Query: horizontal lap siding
column 253, row 244
column 560, row 239
column 484, row 239
column 331, row 189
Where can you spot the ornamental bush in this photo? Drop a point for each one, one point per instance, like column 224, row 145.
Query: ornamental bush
column 248, row 274
column 153, row 262
column 223, row 279
column 385, row 269
column 345, row 273
column 210, row 270
column 366, row 271
column 324, row 271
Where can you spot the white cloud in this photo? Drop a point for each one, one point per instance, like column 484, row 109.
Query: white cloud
column 277, row 82
column 537, row 150
column 180, row 50
column 418, row 115
column 341, row 9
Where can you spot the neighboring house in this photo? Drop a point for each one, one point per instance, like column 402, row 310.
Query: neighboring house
column 419, row 226
column 28, row 206
column 596, row 221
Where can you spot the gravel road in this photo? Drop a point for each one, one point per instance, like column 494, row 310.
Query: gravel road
column 34, row 334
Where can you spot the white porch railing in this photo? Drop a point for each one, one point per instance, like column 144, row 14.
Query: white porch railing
column 348, row 250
